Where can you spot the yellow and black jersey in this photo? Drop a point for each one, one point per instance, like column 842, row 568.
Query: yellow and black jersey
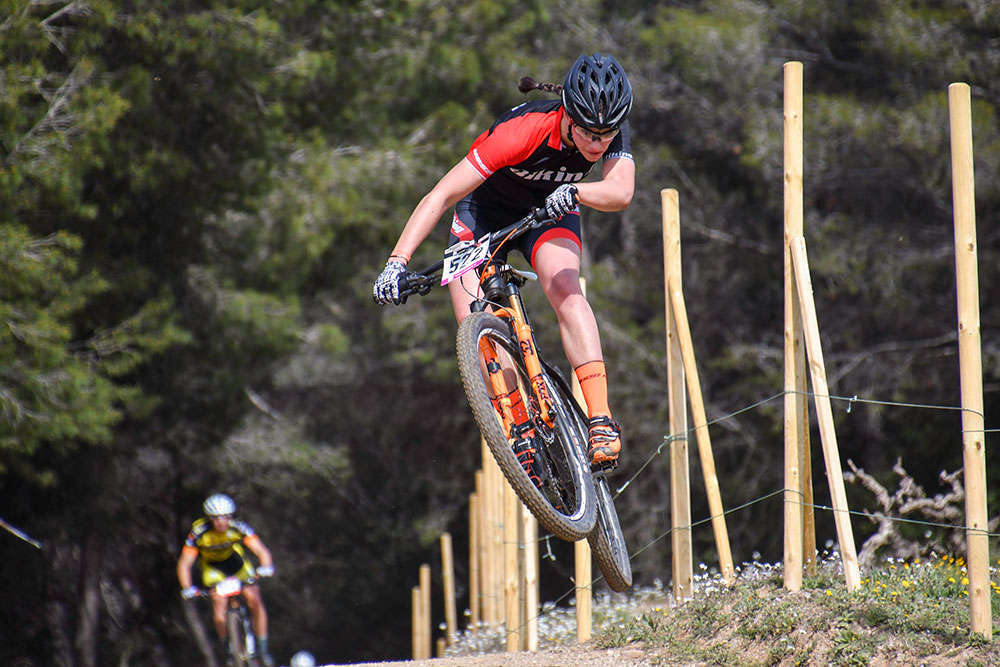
column 215, row 547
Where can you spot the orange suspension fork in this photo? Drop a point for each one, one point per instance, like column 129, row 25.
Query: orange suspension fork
column 494, row 371
column 526, row 342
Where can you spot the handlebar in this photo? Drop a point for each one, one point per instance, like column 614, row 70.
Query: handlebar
column 421, row 282
column 206, row 592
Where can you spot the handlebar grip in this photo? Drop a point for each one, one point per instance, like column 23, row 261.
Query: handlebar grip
column 414, row 283
column 193, row 593
column 404, row 288
column 540, row 218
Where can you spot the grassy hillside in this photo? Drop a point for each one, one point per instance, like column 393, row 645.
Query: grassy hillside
column 906, row 612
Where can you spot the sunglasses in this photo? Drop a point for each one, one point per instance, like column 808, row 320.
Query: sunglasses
column 591, row 135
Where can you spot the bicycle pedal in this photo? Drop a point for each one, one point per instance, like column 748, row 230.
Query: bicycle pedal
column 603, row 468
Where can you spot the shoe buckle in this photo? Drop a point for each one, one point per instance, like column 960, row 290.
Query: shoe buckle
column 517, row 430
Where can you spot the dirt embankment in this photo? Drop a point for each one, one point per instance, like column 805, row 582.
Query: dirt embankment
column 582, row 654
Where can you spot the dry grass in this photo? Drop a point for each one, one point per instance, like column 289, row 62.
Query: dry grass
column 912, row 612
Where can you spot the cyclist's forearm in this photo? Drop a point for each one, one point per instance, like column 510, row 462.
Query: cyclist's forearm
column 184, row 575
column 615, row 189
column 606, row 195
column 187, row 559
column 263, row 554
column 421, row 223
column 458, row 182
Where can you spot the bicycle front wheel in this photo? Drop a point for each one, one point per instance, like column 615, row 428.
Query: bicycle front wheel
column 237, row 632
column 564, row 504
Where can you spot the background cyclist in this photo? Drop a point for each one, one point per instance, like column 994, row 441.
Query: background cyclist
column 217, row 541
column 537, row 154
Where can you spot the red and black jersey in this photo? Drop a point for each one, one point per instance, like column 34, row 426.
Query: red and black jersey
column 523, row 159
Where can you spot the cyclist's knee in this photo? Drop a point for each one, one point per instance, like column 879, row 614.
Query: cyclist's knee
column 252, row 596
column 219, row 613
column 559, row 280
column 566, row 297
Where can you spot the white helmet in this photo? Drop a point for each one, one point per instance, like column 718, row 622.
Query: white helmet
column 219, row 504
column 303, row 659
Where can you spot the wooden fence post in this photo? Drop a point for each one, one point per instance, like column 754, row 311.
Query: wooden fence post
column 583, row 567
column 416, row 624
column 448, row 577
column 582, row 576
column 701, row 434
column 492, row 539
column 474, row 567
column 824, row 412
column 796, row 418
column 425, row 609
column 970, row 358
column 682, row 558
column 511, row 579
column 529, row 532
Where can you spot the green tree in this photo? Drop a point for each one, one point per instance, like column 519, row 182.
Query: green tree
column 195, row 197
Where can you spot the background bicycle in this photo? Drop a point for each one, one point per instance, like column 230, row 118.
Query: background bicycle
column 241, row 639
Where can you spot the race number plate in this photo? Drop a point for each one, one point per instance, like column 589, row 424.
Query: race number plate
column 228, row 587
column 464, row 256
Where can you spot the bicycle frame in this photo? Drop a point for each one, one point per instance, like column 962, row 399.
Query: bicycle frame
column 231, row 588
column 494, row 288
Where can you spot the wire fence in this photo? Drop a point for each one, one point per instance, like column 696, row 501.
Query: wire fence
column 667, row 439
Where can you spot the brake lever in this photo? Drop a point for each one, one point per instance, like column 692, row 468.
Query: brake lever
column 413, row 283
column 540, row 218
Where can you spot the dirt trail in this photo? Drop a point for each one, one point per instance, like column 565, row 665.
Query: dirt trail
column 582, row 654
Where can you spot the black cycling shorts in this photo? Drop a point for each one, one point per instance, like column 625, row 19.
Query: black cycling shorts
column 472, row 222
column 212, row 572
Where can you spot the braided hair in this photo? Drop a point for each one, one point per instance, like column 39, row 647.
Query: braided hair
column 527, row 84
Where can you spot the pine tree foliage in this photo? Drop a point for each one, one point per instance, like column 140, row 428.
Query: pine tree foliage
column 196, row 196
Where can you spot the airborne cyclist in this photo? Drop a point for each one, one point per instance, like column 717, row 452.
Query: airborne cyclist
column 537, row 155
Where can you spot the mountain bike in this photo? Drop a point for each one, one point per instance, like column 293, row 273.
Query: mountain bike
column 239, row 629
column 500, row 365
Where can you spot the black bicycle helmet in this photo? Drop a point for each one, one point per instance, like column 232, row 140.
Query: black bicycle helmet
column 597, row 93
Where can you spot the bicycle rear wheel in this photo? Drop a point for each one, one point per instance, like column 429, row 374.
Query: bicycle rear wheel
column 606, row 540
column 565, row 505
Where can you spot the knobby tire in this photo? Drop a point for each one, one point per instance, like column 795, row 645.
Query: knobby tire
column 571, row 488
column 606, row 540
column 237, row 640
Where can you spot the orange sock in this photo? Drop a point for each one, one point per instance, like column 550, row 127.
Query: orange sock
column 594, row 383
